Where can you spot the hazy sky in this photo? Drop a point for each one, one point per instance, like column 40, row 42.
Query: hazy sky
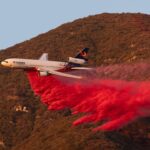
column 23, row 19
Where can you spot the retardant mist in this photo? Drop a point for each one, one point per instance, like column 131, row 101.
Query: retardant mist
column 100, row 96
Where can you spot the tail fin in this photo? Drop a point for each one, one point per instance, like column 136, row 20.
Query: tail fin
column 83, row 54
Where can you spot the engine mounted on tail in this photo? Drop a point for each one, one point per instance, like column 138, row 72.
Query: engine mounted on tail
column 76, row 61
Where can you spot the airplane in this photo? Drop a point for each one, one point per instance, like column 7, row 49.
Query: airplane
column 46, row 67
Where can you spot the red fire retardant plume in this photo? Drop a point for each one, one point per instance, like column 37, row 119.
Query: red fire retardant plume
column 115, row 102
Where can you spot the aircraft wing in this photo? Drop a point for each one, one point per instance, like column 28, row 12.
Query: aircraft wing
column 64, row 74
column 54, row 72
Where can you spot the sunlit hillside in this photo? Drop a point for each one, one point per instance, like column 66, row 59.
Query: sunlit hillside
column 25, row 123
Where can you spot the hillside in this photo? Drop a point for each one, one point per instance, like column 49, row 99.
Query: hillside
column 25, row 123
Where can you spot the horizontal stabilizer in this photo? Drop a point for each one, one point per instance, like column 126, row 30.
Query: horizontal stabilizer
column 81, row 68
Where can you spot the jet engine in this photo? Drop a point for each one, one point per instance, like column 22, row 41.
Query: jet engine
column 43, row 73
column 76, row 60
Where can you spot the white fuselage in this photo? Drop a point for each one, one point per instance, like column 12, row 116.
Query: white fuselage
column 45, row 67
column 31, row 63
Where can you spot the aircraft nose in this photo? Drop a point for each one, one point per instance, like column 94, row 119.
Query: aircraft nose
column 2, row 63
